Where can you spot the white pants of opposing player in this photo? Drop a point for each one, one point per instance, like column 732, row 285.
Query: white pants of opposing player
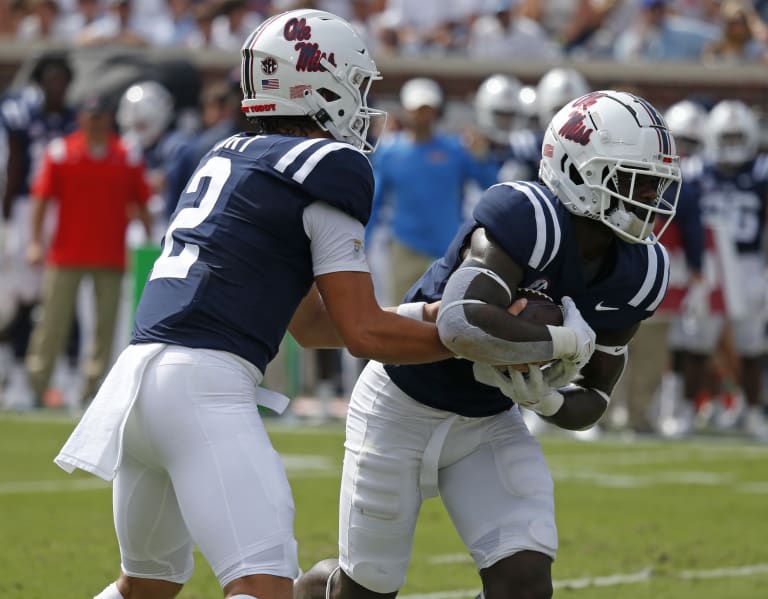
column 199, row 468
column 490, row 472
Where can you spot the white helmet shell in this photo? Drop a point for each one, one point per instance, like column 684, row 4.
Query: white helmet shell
column 732, row 133
column 498, row 107
column 686, row 120
column 555, row 89
column 604, row 149
column 144, row 112
column 310, row 63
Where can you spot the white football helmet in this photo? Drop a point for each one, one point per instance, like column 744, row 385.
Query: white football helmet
column 498, row 108
column 732, row 133
column 144, row 112
column 686, row 120
column 609, row 156
column 310, row 63
column 555, row 89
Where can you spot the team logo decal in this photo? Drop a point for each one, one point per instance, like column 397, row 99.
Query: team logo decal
column 268, row 65
column 575, row 128
column 310, row 54
column 297, row 30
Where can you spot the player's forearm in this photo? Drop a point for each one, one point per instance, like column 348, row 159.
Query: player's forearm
column 581, row 408
column 394, row 339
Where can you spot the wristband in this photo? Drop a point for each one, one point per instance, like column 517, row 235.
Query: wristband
column 413, row 310
column 564, row 344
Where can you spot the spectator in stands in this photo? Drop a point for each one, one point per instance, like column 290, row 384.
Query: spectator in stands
column 98, row 185
column 116, row 26
column 172, row 29
column 571, row 23
column 743, row 36
column 505, row 33
column 201, row 36
column 420, row 173
column 235, row 21
column 87, row 13
column 657, row 35
column 44, row 22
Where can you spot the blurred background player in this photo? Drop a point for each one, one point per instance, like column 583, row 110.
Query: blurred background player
column 658, row 375
column 145, row 118
column 555, row 89
column 31, row 117
column 733, row 183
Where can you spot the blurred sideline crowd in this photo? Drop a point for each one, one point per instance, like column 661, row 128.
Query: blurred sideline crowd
column 88, row 186
column 622, row 30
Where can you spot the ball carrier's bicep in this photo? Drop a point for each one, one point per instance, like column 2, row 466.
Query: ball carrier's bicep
column 474, row 320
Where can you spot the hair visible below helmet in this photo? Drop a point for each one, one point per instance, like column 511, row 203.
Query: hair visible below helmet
column 686, row 120
column 144, row 112
column 310, row 63
column 600, row 151
column 555, row 89
column 498, row 107
column 732, row 133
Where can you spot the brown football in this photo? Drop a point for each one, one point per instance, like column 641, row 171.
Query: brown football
column 541, row 308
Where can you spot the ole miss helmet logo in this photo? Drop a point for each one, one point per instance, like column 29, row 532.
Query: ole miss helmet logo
column 268, row 65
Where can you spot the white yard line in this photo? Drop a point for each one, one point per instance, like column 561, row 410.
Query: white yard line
column 644, row 575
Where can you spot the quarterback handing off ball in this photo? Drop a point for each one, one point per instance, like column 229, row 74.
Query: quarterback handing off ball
column 540, row 309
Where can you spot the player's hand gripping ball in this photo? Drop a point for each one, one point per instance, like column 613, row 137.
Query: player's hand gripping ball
column 541, row 309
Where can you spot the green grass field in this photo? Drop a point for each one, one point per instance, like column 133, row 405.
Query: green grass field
column 657, row 520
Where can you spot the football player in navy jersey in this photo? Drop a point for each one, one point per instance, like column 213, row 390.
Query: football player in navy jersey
column 267, row 237
column 32, row 117
column 585, row 237
column 732, row 181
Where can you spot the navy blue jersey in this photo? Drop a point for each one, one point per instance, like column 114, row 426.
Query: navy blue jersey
column 537, row 231
column 236, row 260
column 737, row 200
column 24, row 117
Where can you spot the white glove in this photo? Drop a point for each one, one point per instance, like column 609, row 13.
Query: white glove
column 560, row 373
column 696, row 301
column 578, row 350
column 530, row 390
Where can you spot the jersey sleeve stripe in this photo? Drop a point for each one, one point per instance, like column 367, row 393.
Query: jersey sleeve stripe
column 291, row 155
column 536, row 260
column 650, row 277
column 555, row 222
column 316, row 157
column 665, row 279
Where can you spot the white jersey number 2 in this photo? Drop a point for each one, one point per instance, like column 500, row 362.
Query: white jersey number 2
column 218, row 170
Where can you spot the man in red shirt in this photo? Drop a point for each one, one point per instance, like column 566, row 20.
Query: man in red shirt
column 99, row 185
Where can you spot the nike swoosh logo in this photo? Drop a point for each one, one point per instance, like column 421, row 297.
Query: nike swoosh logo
column 601, row 308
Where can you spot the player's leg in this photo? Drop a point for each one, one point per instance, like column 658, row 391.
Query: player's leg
column 107, row 284
column 508, row 526
column 155, row 545
column 230, row 483
column 49, row 335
